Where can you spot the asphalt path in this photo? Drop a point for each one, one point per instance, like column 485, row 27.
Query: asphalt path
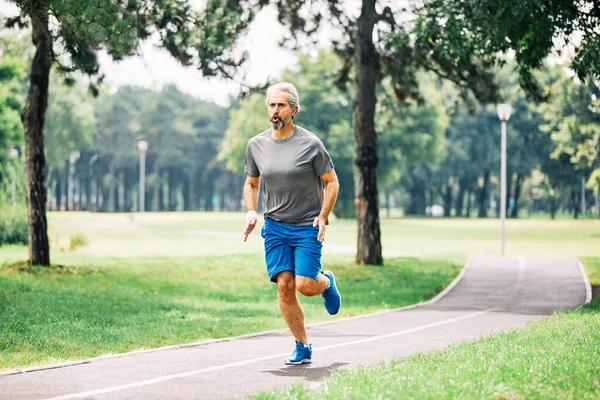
column 490, row 295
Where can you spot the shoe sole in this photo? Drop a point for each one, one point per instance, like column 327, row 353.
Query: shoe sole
column 303, row 361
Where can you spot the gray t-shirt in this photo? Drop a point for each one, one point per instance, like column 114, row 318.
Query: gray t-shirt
column 290, row 170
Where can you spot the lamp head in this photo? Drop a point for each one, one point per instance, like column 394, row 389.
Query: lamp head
column 142, row 146
column 504, row 111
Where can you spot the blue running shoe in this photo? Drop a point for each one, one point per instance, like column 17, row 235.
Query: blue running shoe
column 301, row 355
column 332, row 297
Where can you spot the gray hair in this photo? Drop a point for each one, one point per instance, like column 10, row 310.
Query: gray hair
column 289, row 88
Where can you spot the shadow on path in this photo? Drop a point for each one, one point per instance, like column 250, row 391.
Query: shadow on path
column 307, row 371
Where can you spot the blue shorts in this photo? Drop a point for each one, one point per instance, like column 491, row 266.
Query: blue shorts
column 291, row 248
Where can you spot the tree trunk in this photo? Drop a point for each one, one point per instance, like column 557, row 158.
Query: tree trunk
column 575, row 201
column 87, row 192
column 518, row 187
column 468, row 215
column 460, row 198
column 448, row 200
column 161, row 190
column 33, row 125
column 58, row 189
column 128, row 184
column 186, row 193
column 509, row 179
column 552, row 207
column 483, row 195
column 365, row 140
column 418, row 201
column 173, row 182
column 68, row 184
column 388, row 203
column 118, row 181
column 209, row 189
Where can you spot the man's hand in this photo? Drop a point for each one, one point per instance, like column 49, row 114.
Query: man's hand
column 320, row 222
column 250, row 224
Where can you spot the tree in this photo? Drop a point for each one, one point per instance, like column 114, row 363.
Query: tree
column 12, row 75
column 407, row 41
column 533, row 29
column 411, row 141
column 67, row 35
column 68, row 129
column 572, row 120
column 244, row 123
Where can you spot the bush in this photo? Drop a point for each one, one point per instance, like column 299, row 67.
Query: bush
column 77, row 241
column 13, row 226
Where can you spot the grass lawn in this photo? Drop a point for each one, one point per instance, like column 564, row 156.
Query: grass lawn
column 193, row 234
column 553, row 358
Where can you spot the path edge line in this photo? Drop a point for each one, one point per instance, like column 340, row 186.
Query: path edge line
column 586, row 282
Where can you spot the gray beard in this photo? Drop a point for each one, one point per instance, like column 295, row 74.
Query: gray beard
column 280, row 124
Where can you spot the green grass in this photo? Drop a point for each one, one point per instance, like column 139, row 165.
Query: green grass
column 65, row 313
column 189, row 235
column 552, row 358
column 592, row 267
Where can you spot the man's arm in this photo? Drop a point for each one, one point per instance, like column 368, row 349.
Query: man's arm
column 332, row 187
column 251, row 190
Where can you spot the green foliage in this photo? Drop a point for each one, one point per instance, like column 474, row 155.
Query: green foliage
column 13, row 225
column 412, row 134
column 530, row 29
column 12, row 77
column 203, row 36
column 592, row 267
column 572, row 119
column 244, row 123
column 69, row 124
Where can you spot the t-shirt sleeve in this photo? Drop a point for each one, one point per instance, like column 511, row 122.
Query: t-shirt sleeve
column 250, row 167
column 322, row 162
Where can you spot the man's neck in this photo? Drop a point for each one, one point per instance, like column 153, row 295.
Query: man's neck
column 284, row 133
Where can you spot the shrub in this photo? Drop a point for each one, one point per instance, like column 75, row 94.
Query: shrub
column 77, row 241
column 13, row 226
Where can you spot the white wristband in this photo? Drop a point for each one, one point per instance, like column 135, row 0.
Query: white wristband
column 251, row 214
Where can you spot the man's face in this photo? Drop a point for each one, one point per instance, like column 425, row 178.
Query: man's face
column 280, row 112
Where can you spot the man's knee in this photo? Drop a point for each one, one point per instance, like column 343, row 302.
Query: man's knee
column 286, row 285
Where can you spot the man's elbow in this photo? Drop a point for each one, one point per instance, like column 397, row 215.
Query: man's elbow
column 251, row 186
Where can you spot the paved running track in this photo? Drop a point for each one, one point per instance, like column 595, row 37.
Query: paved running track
column 490, row 295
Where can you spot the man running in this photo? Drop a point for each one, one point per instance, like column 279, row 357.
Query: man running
column 301, row 188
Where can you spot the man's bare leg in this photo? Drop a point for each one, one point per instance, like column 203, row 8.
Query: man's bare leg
column 311, row 287
column 290, row 306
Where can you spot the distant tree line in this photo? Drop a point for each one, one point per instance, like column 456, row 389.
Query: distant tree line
column 439, row 152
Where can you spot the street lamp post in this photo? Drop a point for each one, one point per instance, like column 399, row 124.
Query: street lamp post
column 73, row 157
column 504, row 111
column 14, row 153
column 142, row 146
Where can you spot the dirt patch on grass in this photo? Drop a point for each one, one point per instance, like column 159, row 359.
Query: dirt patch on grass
column 55, row 269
